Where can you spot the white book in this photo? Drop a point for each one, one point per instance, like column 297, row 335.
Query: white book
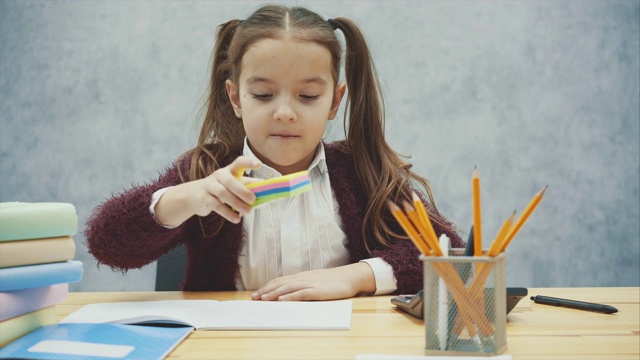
column 221, row 315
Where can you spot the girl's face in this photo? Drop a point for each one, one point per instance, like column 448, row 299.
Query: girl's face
column 285, row 96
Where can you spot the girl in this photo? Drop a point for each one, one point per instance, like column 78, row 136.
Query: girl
column 274, row 87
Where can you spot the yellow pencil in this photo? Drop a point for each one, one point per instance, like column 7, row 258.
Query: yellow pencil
column 428, row 231
column 408, row 228
column 494, row 250
column 413, row 216
column 477, row 218
column 523, row 218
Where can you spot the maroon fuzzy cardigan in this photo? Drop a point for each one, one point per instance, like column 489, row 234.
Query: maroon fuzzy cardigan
column 122, row 234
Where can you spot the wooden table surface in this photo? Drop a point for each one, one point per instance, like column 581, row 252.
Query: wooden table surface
column 534, row 331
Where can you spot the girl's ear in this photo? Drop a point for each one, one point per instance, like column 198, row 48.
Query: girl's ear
column 337, row 99
column 234, row 97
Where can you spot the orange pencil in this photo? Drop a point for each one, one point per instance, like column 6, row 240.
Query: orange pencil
column 427, row 228
column 494, row 250
column 477, row 218
column 523, row 218
column 408, row 228
column 413, row 216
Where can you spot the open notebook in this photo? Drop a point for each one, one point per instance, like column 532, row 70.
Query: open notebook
column 221, row 315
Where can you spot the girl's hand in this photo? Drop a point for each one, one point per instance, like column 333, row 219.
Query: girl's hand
column 219, row 192
column 322, row 284
column 223, row 190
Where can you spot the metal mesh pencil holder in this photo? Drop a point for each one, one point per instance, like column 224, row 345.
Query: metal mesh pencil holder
column 465, row 305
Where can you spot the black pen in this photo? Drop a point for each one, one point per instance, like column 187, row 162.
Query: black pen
column 574, row 304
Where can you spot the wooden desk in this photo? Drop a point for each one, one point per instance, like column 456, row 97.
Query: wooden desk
column 533, row 331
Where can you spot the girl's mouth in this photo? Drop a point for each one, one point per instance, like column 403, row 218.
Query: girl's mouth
column 285, row 136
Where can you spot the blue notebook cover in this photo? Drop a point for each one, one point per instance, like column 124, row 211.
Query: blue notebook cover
column 31, row 276
column 96, row 341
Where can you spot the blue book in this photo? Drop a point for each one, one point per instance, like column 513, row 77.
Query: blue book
column 31, row 276
column 96, row 341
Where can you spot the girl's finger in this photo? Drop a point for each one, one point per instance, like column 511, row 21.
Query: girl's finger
column 223, row 210
column 241, row 163
column 222, row 187
column 267, row 288
column 305, row 294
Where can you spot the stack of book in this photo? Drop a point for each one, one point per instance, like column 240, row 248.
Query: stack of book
column 36, row 266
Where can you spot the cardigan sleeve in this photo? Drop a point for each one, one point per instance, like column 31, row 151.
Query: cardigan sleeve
column 122, row 233
column 407, row 267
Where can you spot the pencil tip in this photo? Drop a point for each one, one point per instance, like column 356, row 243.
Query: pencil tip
column 407, row 206
column 544, row 189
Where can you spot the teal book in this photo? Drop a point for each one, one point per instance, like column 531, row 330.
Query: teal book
column 96, row 342
column 31, row 276
column 23, row 220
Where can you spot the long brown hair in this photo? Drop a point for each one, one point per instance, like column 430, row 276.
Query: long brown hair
column 382, row 173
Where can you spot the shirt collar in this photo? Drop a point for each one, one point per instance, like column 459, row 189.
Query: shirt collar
column 319, row 162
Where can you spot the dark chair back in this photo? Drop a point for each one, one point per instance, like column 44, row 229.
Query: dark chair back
column 170, row 269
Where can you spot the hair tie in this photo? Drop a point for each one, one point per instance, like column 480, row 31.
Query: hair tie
column 333, row 24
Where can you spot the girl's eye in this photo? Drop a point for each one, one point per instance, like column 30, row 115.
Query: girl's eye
column 261, row 96
column 310, row 97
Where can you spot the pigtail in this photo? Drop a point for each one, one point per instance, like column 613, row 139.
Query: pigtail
column 364, row 104
column 218, row 126
column 382, row 172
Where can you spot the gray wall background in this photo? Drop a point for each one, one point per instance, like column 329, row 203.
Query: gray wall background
column 95, row 96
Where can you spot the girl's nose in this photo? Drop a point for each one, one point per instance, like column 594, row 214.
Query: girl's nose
column 285, row 112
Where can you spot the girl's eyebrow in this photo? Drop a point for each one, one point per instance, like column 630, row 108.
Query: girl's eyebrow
column 316, row 79
column 258, row 79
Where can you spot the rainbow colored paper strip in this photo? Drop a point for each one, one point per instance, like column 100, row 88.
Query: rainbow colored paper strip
column 280, row 187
